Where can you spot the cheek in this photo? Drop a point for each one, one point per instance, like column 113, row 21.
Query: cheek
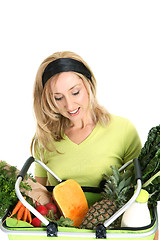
column 59, row 106
column 84, row 98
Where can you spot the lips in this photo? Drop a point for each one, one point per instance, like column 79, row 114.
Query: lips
column 74, row 112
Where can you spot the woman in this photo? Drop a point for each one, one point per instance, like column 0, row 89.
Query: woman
column 76, row 137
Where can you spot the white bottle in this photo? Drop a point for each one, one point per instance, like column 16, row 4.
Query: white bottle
column 138, row 214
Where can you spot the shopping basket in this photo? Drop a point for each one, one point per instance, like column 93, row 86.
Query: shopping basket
column 71, row 233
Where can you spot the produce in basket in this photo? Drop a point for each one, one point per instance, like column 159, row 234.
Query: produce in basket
column 21, row 212
column 117, row 191
column 50, row 212
column 138, row 214
column 8, row 177
column 33, row 190
column 150, row 165
column 71, row 201
column 119, row 187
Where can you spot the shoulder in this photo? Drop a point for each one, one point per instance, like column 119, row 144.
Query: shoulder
column 121, row 128
column 119, row 120
column 120, row 123
column 125, row 129
column 126, row 132
column 118, row 127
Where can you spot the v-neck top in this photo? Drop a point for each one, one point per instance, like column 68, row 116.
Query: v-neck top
column 85, row 139
column 86, row 162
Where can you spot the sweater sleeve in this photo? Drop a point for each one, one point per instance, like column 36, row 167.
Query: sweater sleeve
column 132, row 143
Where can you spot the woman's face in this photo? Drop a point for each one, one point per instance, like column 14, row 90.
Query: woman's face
column 71, row 96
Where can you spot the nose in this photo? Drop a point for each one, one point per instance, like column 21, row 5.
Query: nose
column 68, row 104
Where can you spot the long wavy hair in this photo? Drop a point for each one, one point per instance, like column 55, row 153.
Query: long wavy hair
column 50, row 123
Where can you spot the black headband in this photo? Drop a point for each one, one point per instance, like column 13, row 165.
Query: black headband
column 64, row 65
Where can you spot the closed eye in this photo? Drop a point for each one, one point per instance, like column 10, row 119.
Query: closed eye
column 58, row 98
column 76, row 93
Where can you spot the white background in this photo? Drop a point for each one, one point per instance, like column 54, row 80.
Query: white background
column 120, row 40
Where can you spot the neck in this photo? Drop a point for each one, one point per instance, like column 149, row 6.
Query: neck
column 83, row 123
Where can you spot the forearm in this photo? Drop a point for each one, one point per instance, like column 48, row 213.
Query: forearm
column 41, row 180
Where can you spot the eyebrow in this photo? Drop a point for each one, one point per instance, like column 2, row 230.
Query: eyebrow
column 71, row 88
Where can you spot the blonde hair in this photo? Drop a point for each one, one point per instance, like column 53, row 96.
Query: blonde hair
column 50, row 124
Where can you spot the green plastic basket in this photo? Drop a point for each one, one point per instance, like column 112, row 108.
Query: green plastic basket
column 66, row 233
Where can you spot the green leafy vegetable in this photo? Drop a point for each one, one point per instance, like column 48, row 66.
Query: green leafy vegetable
column 148, row 152
column 118, row 186
column 61, row 222
column 149, row 159
column 64, row 222
column 8, row 177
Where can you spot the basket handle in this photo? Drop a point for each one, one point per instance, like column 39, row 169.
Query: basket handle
column 138, row 178
column 101, row 228
column 51, row 226
column 28, row 163
column 25, row 167
column 137, row 169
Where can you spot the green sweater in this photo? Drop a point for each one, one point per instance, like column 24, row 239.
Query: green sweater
column 86, row 162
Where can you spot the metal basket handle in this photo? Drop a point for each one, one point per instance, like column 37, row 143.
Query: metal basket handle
column 138, row 177
column 51, row 226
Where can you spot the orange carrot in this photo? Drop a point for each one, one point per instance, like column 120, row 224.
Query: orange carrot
column 16, row 209
column 20, row 212
column 29, row 217
column 25, row 215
